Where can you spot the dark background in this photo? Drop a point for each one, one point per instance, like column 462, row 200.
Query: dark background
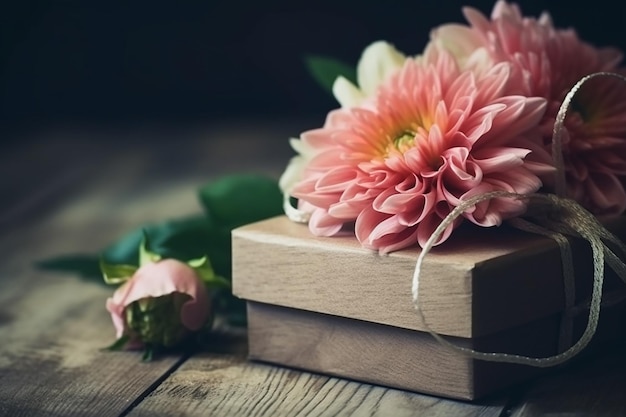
column 117, row 63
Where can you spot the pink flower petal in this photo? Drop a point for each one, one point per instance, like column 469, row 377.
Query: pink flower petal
column 606, row 194
column 427, row 228
column 159, row 279
column 376, row 231
column 431, row 134
column 494, row 159
column 323, row 224
column 545, row 62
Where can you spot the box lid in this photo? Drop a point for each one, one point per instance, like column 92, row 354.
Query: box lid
column 480, row 281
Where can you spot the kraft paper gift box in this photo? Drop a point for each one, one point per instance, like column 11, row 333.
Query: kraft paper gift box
column 329, row 306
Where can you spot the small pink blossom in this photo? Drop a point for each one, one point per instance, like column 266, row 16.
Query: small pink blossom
column 547, row 62
column 432, row 135
column 154, row 281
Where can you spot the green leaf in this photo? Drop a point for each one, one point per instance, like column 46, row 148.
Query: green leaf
column 119, row 343
column 148, row 354
column 215, row 281
column 146, row 256
column 114, row 274
column 229, row 202
column 173, row 239
column 183, row 239
column 198, row 263
column 204, row 269
column 85, row 266
column 235, row 200
column 125, row 250
column 326, row 70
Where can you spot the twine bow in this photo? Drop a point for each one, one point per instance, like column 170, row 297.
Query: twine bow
column 558, row 217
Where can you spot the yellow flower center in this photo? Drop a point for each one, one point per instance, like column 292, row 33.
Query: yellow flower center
column 404, row 140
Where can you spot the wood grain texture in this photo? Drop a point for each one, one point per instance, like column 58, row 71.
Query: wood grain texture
column 37, row 178
column 53, row 326
column 358, row 350
column 224, row 384
column 51, row 362
column 402, row 358
column 490, row 274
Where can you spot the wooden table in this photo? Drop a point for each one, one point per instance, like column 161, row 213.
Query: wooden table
column 75, row 191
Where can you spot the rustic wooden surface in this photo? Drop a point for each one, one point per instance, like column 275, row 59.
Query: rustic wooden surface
column 74, row 191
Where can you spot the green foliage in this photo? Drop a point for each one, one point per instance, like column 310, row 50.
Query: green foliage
column 125, row 250
column 86, row 266
column 326, row 70
column 119, row 343
column 115, row 273
column 228, row 202
column 240, row 199
column 234, row 201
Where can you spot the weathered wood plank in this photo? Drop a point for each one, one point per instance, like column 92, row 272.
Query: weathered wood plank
column 37, row 173
column 52, row 328
column 40, row 168
column 225, row 384
column 51, row 362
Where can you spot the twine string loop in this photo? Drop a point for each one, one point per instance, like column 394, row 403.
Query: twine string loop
column 557, row 217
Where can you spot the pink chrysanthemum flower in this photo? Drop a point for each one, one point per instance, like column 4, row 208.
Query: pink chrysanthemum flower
column 547, row 62
column 432, row 135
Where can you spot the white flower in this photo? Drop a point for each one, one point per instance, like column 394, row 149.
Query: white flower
column 378, row 61
column 465, row 46
column 292, row 175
